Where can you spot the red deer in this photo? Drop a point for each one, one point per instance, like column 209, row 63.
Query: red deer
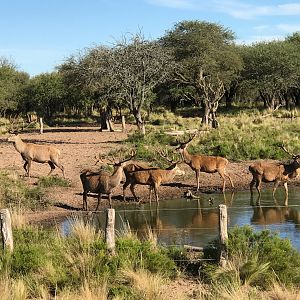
column 153, row 177
column 102, row 182
column 39, row 153
column 265, row 171
column 204, row 163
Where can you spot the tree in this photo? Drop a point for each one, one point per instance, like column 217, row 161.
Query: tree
column 12, row 83
column 45, row 94
column 273, row 69
column 207, row 62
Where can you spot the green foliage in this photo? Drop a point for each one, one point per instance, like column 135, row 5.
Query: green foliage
column 15, row 193
column 49, row 181
column 62, row 263
column 258, row 258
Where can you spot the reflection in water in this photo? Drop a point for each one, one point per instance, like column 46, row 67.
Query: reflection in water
column 275, row 215
column 195, row 221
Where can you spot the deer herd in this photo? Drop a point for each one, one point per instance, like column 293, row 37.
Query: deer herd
column 138, row 173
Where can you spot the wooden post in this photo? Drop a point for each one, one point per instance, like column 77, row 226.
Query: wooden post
column 123, row 124
column 41, row 126
column 6, row 230
column 110, row 231
column 223, row 235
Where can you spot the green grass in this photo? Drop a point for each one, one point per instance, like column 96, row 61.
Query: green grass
column 49, row 181
column 15, row 193
column 241, row 136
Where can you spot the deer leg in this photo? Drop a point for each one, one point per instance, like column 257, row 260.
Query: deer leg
column 223, row 177
column 52, row 166
column 125, row 185
column 99, row 199
column 28, row 167
column 231, row 182
column 276, row 184
column 150, row 193
column 55, row 162
column 84, row 197
column 258, row 186
column 197, row 179
column 251, row 185
column 25, row 167
column 156, row 193
column 133, row 193
column 286, row 194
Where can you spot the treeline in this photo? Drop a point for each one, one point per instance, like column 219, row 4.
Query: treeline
column 194, row 64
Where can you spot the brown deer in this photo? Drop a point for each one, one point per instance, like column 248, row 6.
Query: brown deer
column 204, row 163
column 264, row 171
column 153, row 177
column 102, row 182
column 39, row 153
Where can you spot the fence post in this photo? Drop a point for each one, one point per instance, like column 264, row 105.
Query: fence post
column 110, row 231
column 123, row 124
column 41, row 125
column 6, row 230
column 223, row 235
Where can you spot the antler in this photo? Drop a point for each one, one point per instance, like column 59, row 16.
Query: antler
column 132, row 155
column 191, row 137
column 289, row 153
column 164, row 154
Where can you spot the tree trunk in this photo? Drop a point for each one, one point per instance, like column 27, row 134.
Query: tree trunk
column 139, row 121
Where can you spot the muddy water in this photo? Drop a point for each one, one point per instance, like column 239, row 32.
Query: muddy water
column 195, row 222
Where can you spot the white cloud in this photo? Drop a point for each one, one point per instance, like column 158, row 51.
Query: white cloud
column 288, row 27
column 245, row 10
column 173, row 3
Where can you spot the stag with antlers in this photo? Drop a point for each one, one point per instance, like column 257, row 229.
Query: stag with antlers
column 102, row 182
column 204, row 163
column 274, row 172
column 152, row 177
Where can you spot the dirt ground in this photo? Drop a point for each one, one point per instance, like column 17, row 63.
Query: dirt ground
column 79, row 146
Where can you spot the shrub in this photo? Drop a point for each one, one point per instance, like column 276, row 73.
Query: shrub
column 253, row 251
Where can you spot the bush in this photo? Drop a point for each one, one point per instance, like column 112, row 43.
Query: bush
column 262, row 253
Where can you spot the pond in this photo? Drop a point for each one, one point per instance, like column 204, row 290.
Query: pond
column 195, row 222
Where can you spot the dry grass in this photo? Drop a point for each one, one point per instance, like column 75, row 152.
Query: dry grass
column 18, row 218
column 84, row 231
column 279, row 292
column 148, row 286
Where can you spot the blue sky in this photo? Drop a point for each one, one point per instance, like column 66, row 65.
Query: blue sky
column 39, row 34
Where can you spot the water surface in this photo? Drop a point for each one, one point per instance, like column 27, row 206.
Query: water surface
column 195, row 222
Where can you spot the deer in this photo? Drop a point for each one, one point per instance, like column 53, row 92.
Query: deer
column 204, row 163
column 38, row 153
column 264, row 171
column 102, row 182
column 152, row 177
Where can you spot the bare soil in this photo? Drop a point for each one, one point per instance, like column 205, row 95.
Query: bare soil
column 79, row 146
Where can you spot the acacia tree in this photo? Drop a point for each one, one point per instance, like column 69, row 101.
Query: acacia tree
column 140, row 65
column 207, row 61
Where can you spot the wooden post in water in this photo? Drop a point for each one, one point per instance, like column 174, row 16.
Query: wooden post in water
column 123, row 124
column 223, row 235
column 6, row 230
column 110, row 231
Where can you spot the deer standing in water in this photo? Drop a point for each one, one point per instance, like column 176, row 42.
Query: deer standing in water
column 204, row 163
column 102, row 182
column 153, row 177
column 38, row 153
column 265, row 171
